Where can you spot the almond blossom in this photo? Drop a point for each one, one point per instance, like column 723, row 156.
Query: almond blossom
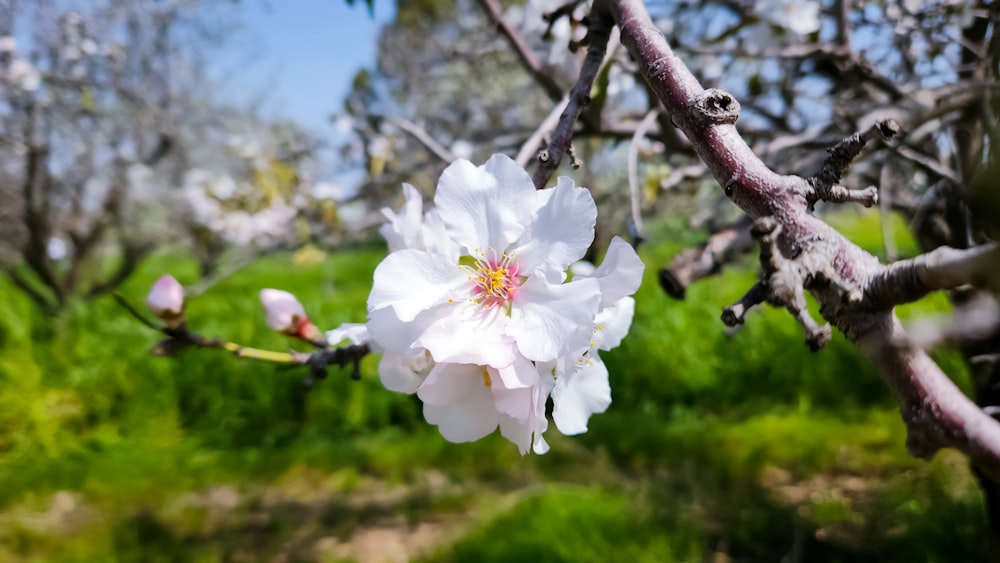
column 473, row 311
column 504, row 296
column 581, row 378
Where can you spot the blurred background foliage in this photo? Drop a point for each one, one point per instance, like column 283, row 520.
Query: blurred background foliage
column 121, row 160
column 717, row 445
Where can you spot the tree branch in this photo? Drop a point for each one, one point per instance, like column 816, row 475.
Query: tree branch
column 421, row 135
column 180, row 338
column 801, row 252
column 633, row 176
column 523, row 50
column 942, row 268
column 693, row 264
column 579, row 98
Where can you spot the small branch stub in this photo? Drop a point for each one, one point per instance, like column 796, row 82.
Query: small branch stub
column 781, row 285
column 716, row 107
column 825, row 184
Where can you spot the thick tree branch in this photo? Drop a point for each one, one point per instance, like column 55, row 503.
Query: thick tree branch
column 942, row 268
column 531, row 146
column 801, row 252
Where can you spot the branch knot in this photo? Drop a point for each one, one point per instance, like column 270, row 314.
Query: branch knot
column 716, row 107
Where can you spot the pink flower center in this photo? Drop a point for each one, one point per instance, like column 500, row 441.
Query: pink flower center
column 497, row 278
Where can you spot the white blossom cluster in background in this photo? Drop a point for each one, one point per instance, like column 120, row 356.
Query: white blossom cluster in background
column 529, row 20
column 801, row 17
column 16, row 73
column 474, row 311
column 211, row 201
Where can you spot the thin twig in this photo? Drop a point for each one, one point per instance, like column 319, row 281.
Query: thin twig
column 523, row 50
column 886, row 185
column 579, row 98
column 633, row 175
column 179, row 338
column 421, row 134
column 530, row 147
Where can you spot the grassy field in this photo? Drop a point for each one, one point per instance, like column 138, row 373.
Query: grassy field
column 718, row 447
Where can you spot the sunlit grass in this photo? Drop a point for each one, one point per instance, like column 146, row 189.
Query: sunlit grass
column 108, row 453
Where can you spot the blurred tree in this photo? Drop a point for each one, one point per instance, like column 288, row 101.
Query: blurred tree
column 95, row 105
column 113, row 142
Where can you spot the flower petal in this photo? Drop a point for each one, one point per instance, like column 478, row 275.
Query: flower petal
column 520, row 373
column 404, row 374
column 469, row 334
column 579, row 394
column 403, row 229
column 411, row 281
column 545, row 316
column 613, row 323
column 394, row 335
column 485, row 207
column 450, row 383
column 462, row 406
column 540, row 447
column 562, row 230
column 166, row 296
column 463, row 422
column 620, row 273
column 513, row 402
column 282, row 308
column 435, row 237
column 517, row 431
column 356, row 333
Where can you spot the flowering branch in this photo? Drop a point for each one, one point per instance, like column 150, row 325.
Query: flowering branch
column 800, row 252
column 166, row 300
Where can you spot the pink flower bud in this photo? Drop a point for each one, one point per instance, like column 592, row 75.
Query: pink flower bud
column 284, row 312
column 166, row 300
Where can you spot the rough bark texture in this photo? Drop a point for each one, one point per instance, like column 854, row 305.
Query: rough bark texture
column 801, row 252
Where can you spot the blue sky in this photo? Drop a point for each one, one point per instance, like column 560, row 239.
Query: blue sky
column 300, row 55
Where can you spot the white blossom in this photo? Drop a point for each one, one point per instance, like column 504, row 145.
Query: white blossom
column 56, row 249
column 473, row 312
column 513, row 239
column 355, row 333
column 23, row 75
column 8, row 45
column 462, row 149
column 797, row 16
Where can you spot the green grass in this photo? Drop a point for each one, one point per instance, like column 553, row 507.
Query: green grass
column 743, row 443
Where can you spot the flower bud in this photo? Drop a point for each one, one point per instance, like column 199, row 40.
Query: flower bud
column 166, row 300
column 286, row 315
